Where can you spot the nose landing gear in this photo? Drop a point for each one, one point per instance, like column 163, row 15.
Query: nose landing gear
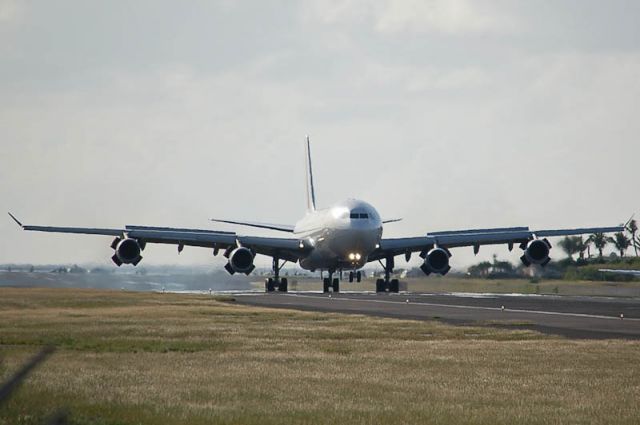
column 357, row 276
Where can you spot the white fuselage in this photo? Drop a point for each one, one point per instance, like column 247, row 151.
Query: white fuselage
column 342, row 236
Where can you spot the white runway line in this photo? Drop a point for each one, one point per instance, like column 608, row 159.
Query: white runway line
column 472, row 307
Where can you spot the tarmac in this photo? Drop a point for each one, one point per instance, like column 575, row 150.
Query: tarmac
column 579, row 317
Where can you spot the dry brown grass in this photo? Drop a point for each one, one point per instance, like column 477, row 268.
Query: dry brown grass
column 150, row 358
column 444, row 284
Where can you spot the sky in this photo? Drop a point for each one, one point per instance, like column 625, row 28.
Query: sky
column 451, row 114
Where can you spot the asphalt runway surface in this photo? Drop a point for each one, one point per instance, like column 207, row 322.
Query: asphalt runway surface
column 569, row 316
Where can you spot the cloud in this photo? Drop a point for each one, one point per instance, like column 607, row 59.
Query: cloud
column 450, row 17
column 416, row 80
column 445, row 16
column 170, row 119
column 10, row 10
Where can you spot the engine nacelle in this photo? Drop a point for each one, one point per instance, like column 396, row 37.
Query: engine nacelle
column 240, row 261
column 436, row 261
column 127, row 252
column 536, row 251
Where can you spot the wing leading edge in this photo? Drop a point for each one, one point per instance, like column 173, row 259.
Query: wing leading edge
column 285, row 248
column 279, row 227
column 476, row 238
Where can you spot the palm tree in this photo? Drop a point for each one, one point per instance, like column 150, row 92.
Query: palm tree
column 599, row 240
column 621, row 242
column 568, row 245
column 481, row 269
column 582, row 245
column 632, row 227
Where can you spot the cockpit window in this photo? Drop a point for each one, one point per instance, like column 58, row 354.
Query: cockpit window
column 358, row 216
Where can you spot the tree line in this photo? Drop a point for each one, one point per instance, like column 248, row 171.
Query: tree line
column 622, row 241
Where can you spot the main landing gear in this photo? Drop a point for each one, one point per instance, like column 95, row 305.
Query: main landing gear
column 387, row 284
column 330, row 282
column 276, row 283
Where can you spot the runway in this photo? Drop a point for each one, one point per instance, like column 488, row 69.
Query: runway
column 569, row 316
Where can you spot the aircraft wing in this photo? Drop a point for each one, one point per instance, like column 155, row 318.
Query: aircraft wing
column 279, row 227
column 286, row 248
column 475, row 238
column 627, row 272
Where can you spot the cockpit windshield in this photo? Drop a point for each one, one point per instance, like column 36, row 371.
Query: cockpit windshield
column 358, row 215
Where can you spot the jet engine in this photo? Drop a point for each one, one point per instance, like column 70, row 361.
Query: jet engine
column 240, row 261
column 127, row 251
column 436, row 261
column 536, row 251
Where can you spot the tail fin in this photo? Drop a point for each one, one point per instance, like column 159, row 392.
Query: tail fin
column 311, row 194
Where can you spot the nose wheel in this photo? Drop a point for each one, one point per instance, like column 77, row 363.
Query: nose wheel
column 357, row 276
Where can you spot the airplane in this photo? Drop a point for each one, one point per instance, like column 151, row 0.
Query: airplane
column 345, row 236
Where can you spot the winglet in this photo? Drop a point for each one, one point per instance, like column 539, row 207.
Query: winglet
column 626, row 225
column 15, row 219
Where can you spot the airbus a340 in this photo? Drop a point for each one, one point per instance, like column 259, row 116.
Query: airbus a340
column 345, row 236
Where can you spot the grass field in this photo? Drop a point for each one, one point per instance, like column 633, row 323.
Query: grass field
column 146, row 358
column 439, row 284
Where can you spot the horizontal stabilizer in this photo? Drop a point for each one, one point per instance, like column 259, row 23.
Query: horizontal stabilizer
column 391, row 220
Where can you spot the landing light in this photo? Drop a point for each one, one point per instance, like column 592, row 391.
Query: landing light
column 352, row 256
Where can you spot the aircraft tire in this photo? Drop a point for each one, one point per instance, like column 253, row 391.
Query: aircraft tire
column 359, row 276
column 325, row 285
column 380, row 286
column 350, row 277
column 268, row 285
column 336, row 285
column 284, row 285
column 394, row 286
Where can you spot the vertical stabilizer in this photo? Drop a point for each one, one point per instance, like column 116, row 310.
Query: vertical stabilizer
column 311, row 193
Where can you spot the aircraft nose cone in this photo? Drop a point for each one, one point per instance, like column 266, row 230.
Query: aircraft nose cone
column 356, row 242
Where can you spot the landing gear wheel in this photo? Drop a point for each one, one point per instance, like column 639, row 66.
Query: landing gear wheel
column 394, row 286
column 326, row 285
column 380, row 286
column 336, row 285
column 284, row 285
column 350, row 277
column 269, row 285
column 359, row 276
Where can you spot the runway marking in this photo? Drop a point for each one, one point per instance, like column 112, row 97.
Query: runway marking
column 472, row 307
